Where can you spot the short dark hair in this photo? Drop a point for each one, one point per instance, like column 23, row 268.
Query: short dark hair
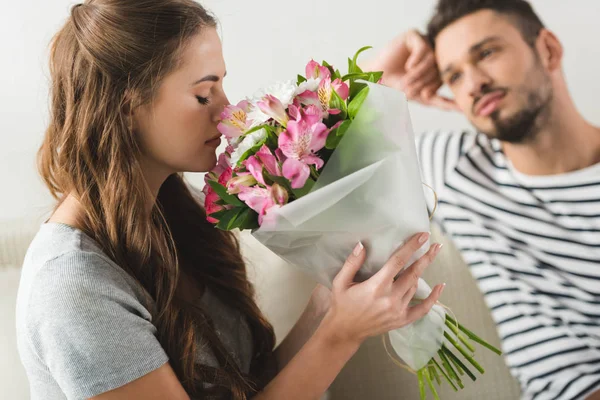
column 520, row 13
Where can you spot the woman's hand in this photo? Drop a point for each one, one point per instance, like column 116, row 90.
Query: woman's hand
column 379, row 304
column 320, row 300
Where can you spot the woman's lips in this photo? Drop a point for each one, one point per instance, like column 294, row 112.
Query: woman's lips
column 214, row 142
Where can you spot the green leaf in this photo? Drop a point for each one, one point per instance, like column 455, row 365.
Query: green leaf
column 253, row 150
column 332, row 141
column 222, row 193
column 300, row 79
column 355, row 88
column 356, row 75
column 336, row 135
column 355, row 60
column 352, row 63
column 339, row 104
column 303, row 191
column 219, row 214
column 357, row 102
column 248, row 220
column 375, row 76
column 227, row 220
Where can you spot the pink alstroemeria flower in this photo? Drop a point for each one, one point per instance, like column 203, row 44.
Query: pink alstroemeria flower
column 255, row 167
column 271, row 106
column 234, row 120
column 242, row 181
column 341, row 88
column 210, row 206
column 315, row 70
column 298, row 143
column 322, row 97
column 269, row 161
column 262, row 200
column 262, row 159
column 222, row 164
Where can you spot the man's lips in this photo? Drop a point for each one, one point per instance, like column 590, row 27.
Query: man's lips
column 489, row 103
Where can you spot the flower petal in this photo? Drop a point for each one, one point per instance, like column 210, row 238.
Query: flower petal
column 313, row 160
column 341, row 88
column 319, row 135
column 257, row 198
column 254, row 166
column 271, row 106
column 316, row 70
column 296, row 171
column 269, row 161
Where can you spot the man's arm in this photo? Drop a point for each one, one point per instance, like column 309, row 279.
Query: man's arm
column 408, row 64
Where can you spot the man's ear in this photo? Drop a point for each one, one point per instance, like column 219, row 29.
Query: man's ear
column 550, row 50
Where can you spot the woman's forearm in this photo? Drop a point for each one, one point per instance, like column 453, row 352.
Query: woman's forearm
column 304, row 328
column 312, row 370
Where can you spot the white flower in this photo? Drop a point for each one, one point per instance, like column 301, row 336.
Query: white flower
column 247, row 143
column 285, row 92
column 311, row 84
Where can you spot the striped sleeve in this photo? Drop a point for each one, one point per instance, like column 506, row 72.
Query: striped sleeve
column 438, row 153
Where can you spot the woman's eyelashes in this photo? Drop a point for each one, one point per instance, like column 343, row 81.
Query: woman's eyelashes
column 203, row 100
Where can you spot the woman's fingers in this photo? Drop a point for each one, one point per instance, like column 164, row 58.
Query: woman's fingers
column 399, row 259
column 420, row 310
column 410, row 276
column 345, row 277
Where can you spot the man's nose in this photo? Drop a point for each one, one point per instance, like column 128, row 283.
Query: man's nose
column 477, row 81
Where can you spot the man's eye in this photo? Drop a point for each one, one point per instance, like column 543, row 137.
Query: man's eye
column 203, row 100
column 486, row 53
column 454, row 77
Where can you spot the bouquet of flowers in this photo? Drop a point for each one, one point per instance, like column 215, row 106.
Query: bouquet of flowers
column 316, row 165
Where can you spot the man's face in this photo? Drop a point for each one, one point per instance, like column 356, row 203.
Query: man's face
column 497, row 79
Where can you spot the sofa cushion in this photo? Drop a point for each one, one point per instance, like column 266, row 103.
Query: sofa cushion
column 13, row 380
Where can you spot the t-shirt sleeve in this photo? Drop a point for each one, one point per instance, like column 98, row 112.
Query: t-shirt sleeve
column 87, row 326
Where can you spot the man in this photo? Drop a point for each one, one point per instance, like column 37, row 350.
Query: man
column 521, row 198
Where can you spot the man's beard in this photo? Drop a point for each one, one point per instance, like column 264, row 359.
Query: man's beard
column 524, row 125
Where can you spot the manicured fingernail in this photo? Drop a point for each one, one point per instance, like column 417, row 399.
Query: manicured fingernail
column 358, row 249
column 443, row 287
column 438, row 247
column 423, row 238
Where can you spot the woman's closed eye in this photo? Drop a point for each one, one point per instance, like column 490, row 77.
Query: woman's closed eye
column 203, row 100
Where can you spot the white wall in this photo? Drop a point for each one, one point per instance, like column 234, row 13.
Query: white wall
column 264, row 40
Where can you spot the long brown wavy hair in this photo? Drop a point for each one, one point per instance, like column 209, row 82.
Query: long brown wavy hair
column 109, row 58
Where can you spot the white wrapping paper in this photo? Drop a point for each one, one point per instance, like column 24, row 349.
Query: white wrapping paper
column 370, row 191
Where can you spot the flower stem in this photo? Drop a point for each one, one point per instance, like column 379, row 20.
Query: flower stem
column 433, row 373
column 421, row 384
column 451, row 372
column 445, row 374
column 460, row 336
column 430, row 383
column 464, row 353
column 473, row 336
column 459, row 364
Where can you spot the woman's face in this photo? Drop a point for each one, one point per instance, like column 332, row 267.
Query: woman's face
column 178, row 129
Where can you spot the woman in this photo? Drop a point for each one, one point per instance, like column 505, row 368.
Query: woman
column 127, row 291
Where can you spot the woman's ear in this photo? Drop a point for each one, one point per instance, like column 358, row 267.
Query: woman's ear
column 128, row 109
column 550, row 50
